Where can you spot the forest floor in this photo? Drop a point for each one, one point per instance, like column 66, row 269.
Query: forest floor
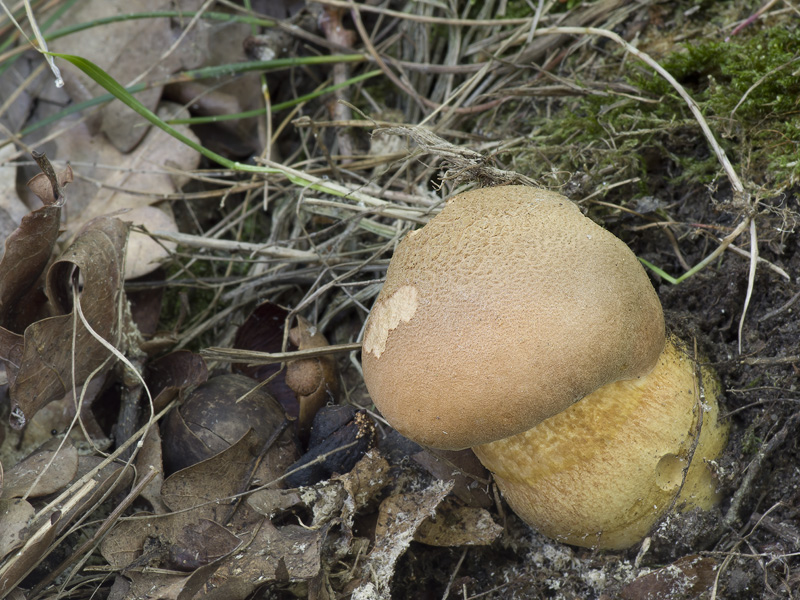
column 276, row 154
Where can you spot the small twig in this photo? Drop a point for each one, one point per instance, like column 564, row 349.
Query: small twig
column 455, row 572
column 751, row 19
column 771, row 360
column 754, row 470
column 777, row 311
column 98, row 535
column 772, row 267
column 199, row 241
column 252, row 357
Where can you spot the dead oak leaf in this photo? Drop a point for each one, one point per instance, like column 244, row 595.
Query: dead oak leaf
column 27, row 251
column 40, row 368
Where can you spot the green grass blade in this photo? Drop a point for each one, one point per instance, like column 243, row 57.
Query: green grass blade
column 276, row 107
column 120, row 93
column 158, row 14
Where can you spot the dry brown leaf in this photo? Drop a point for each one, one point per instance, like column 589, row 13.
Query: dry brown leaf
column 687, row 578
column 145, row 254
column 289, row 553
column 366, row 479
column 46, row 471
column 232, row 138
column 58, row 416
column 41, row 185
column 27, row 252
column 458, row 526
column 164, row 586
column 15, row 517
column 150, row 456
column 157, row 167
column 201, row 544
column 177, row 541
column 273, row 501
column 209, row 484
column 171, row 374
column 47, row 362
column 470, row 476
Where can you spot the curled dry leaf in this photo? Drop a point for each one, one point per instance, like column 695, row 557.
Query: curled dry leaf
column 41, row 185
column 28, row 250
column 170, row 375
column 58, row 416
column 214, row 416
column 41, row 363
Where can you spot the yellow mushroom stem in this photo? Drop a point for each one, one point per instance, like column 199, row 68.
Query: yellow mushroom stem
column 602, row 473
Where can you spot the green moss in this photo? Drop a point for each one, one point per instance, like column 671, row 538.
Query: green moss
column 759, row 67
column 199, row 296
column 747, row 89
column 749, row 92
column 195, row 299
column 751, row 443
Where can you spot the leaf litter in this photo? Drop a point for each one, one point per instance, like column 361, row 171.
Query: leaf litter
column 152, row 249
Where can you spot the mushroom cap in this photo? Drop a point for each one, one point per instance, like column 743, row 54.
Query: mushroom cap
column 502, row 311
column 602, row 473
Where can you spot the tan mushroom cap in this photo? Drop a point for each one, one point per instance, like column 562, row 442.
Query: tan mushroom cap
column 502, row 311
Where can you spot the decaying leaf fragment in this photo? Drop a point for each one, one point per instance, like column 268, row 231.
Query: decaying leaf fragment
column 41, row 362
column 44, row 472
column 458, row 526
column 16, row 515
column 400, row 516
column 27, row 251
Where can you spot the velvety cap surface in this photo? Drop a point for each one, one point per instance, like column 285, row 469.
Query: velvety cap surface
column 502, row 311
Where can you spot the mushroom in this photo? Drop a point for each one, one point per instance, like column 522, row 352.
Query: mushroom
column 514, row 325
